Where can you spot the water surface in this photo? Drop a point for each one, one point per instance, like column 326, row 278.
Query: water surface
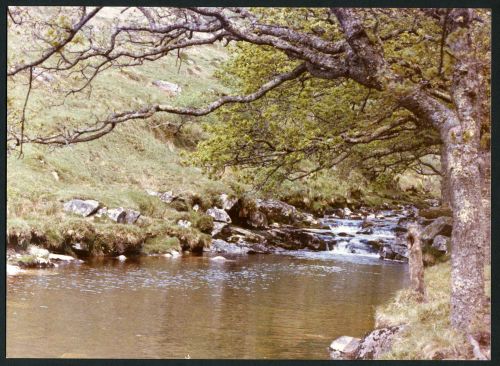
column 256, row 306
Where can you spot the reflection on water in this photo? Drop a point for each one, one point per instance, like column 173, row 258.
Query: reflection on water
column 267, row 306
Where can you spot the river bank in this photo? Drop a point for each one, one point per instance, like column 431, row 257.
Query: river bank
column 234, row 230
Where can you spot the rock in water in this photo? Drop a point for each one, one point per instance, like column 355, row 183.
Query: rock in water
column 219, row 259
column 61, row 257
column 344, row 347
column 122, row 258
column 13, row 270
column 81, row 207
column 219, row 215
column 377, row 342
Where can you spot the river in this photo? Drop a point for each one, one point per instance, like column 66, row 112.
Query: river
column 256, row 306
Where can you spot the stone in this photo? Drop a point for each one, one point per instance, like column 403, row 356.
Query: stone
column 81, row 207
column 167, row 197
column 123, row 215
column 184, row 223
column 226, row 202
column 219, row 259
column 61, row 257
column 440, row 226
column 13, row 270
column 196, row 208
column 218, row 226
column 167, row 86
column 280, row 212
column 175, row 254
column 346, row 345
column 257, row 220
column 221, row 246
column 101, row 212
column 122, row 258
column 441, row 243
column 132, row 216
column 219, row 215
column 56, row 176
column 377, row 342
column 117, row 214
column 38, row 252
column 367, row 223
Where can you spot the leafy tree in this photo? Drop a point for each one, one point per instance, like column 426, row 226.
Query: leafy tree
column 424, row 74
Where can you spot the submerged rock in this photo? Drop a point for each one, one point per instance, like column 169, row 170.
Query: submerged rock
column 81, row 207
column 218, row 259
column 62, row 258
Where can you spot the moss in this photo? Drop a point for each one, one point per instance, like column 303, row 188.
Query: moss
column 160, row 245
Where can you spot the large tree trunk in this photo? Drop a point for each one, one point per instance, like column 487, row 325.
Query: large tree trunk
column 445, row 180
column 467, row 272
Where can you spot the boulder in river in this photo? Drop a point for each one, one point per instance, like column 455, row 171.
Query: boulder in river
column 344, row 347
column 13, row 270
column 81, row 207
column 221, row 246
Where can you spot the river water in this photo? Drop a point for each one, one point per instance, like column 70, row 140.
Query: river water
column 256, row 306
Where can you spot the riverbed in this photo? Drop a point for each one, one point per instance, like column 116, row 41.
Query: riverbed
column 277, row 306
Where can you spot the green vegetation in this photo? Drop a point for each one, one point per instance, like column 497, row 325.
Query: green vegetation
column 160, row 245
column 429, row 335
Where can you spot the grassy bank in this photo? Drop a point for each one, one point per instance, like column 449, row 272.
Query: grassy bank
column 429, row 335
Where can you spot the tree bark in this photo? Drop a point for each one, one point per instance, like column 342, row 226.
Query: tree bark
column 445, row 180
column 416, row 263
